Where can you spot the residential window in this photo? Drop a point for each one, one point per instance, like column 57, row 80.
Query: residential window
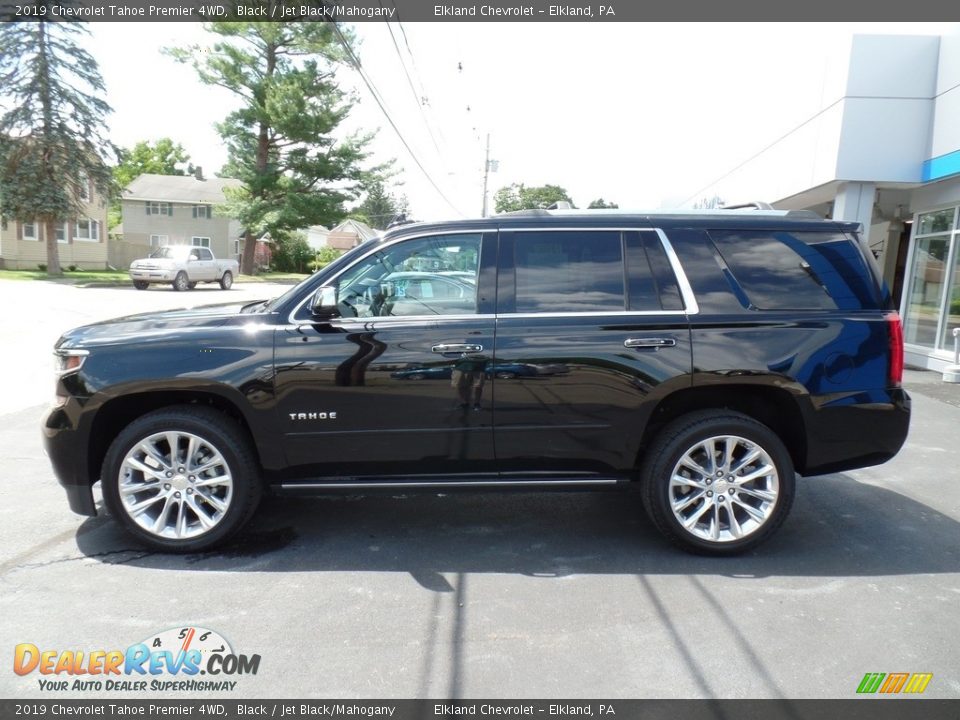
column 63, row 233
column 158, row 240
column 200, row 242
column 159, row 208
column 83, row 186
column 29, row 231
column 236, row 247
column 87, row 230
column 202, row 212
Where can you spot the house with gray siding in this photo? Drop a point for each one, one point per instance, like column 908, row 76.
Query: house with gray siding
column 176, row 210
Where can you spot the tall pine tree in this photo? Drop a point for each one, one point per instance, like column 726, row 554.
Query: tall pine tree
column 52, row 130
column 282, row 141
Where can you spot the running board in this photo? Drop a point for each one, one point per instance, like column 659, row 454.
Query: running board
column 452, row 484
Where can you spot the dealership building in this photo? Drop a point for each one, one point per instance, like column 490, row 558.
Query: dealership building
column 883, row 151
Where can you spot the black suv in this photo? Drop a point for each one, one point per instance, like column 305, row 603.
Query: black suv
column 704, row 358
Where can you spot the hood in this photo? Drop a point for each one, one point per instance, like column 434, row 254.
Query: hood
column 150, row 326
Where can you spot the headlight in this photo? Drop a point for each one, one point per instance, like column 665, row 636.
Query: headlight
column 68, row 361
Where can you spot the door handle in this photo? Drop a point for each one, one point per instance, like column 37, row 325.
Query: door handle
column 446, row 348
column 649, row 342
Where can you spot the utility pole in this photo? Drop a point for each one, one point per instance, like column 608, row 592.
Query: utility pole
column 489, row 166
column 486, row 172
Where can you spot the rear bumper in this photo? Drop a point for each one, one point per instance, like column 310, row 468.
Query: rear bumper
column 68, row 455
column 846, row 432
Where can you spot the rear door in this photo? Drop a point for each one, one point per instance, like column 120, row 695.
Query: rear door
column 591, row 332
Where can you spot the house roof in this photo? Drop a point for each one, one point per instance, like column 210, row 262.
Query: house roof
column 364, row 231
column 179, row 188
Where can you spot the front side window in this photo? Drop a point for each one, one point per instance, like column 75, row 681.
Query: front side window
column 569, row 271
column 425, row 276
column 205, row 254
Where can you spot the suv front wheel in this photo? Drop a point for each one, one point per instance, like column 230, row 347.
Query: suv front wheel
column 717, row 482
column 181, row 479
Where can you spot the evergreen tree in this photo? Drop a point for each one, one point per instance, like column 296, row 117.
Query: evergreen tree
column 281, row 141
column 52, row 130
column 379, row 208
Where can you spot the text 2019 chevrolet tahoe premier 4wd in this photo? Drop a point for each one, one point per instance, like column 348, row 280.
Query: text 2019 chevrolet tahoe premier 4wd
column 706, row 357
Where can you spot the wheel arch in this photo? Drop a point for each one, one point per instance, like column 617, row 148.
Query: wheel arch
column 775, row 407
column 114, row 414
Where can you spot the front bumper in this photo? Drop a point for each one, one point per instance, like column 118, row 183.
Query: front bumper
column 67, row 451
column 152, row 275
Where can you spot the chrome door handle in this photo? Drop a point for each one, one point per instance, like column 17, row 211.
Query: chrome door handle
column 649, row 342
column 456, row 348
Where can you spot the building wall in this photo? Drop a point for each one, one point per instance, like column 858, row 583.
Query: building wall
column 19, row 254
column 180, row 227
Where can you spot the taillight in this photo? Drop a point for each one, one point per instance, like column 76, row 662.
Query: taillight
column 895, row 340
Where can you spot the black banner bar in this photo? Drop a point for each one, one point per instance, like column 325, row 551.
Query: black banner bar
column 873, row 708
column 492, row 11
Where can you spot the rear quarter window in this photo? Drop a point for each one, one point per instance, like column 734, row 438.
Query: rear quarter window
column 798, row 270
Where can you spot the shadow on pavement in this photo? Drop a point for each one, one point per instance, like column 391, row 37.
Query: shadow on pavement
column 838, row 527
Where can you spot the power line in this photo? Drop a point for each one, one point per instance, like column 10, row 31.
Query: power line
column 355, row 62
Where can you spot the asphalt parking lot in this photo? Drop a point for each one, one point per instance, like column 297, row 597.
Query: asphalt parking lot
column 487, row 595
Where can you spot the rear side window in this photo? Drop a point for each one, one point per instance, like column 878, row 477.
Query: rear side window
column 569, row 271
column 650, row 279
column 798, row 270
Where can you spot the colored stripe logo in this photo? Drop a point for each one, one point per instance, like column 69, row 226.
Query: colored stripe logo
column 893, row 683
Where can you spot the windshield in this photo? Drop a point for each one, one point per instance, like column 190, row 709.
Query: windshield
column 170, row 252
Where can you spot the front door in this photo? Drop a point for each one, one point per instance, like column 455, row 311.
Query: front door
column 397, row 385
column 591, row 333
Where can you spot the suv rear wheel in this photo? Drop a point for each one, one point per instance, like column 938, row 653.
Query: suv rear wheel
column 717, row 482
column 181, row 479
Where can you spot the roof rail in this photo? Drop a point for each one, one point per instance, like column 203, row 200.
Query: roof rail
column 755, row 205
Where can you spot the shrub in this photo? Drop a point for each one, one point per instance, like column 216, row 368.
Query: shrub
column 42, row 267
column 72, row 268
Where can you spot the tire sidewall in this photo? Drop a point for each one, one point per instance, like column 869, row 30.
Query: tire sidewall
column 227, row 441
column 660, row 468
column 226, row 281
column 181, row 282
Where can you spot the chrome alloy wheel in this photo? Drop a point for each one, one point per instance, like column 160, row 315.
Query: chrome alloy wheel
column 175, row 485
column 724, row 488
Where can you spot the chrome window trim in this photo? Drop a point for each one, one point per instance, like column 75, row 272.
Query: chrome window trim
column 686, row 291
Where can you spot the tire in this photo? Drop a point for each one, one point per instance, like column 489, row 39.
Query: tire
column 181, row 282
column 141, row 284
column 191, row 285
column 170, row 502
column 226, row 280
column 724, row 515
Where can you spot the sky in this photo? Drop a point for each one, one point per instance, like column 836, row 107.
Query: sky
column 646, row 115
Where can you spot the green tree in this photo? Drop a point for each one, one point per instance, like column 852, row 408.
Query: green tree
column 281, row 142
column 292, row 253
column 52, row 137
column 520, row 197
column 602, row 204
column 379, row 207
column 161, row 157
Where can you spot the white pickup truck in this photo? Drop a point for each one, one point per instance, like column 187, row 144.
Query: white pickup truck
column 183, row 266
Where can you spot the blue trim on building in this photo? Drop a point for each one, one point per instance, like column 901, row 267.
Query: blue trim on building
column 942, row 166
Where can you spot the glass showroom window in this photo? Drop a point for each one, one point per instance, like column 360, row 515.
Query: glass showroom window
column 931, row 306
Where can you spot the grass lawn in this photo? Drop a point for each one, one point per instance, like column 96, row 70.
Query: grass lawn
column 120, row 277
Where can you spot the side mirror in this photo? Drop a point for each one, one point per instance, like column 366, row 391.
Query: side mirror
column 193, row 257
column 324, row 303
